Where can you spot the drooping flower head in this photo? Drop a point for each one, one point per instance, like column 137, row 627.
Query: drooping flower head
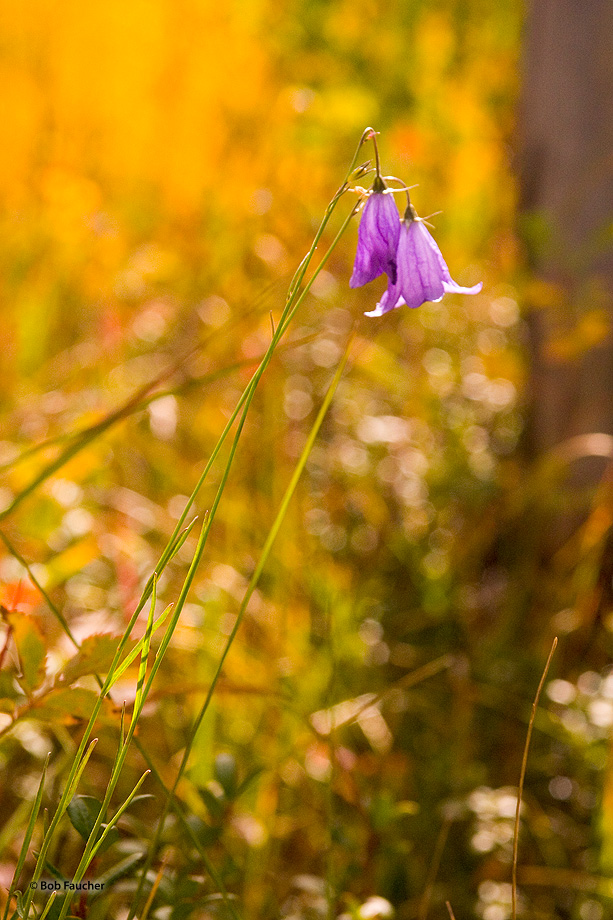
column 421, row 272
column 379, row 230
column 377, row 237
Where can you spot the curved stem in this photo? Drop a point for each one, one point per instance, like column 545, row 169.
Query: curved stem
column 373, row 137
column 522, row 777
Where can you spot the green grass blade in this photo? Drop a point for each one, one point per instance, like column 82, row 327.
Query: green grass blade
column 28, row 837
column 272, row 535
column 137, row 650
column 112, row 822
column 74, row 778
column 146, row 644
column 48, row 905
column 249, row 591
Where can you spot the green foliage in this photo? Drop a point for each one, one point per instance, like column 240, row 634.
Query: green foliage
column 83, row 812
column 31, row 649
column 95, row 656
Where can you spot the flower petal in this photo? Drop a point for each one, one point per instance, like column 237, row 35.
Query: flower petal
column 390, row 300
column 450, row 286
column 419, row 271
column 453, row 288
column 377, row 240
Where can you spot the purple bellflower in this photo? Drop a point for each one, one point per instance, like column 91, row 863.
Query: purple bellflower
column 377, row 237
column 420, row 272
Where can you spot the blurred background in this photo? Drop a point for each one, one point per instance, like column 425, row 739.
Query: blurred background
column 163, row 169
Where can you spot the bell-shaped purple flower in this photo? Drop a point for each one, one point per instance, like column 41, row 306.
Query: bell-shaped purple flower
column 421, row 271
column 377, row 238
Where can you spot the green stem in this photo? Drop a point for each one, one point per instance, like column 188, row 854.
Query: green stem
column 272, row 535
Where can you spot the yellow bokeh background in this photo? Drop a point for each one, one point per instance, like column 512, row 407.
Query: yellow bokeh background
column 192, row 128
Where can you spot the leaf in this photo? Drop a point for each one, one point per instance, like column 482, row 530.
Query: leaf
column 72, row 704
column 94, row 657
column 122, row 869
column 248, row 780
column 215, row 802
column 206, row 834
column 19, row 904
column 8, row 689
column 56, row 909
column 226, row 773
column 31, row 649
column 83, row 812
column 111, row 838
column 54, row 872
column 141, row 798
